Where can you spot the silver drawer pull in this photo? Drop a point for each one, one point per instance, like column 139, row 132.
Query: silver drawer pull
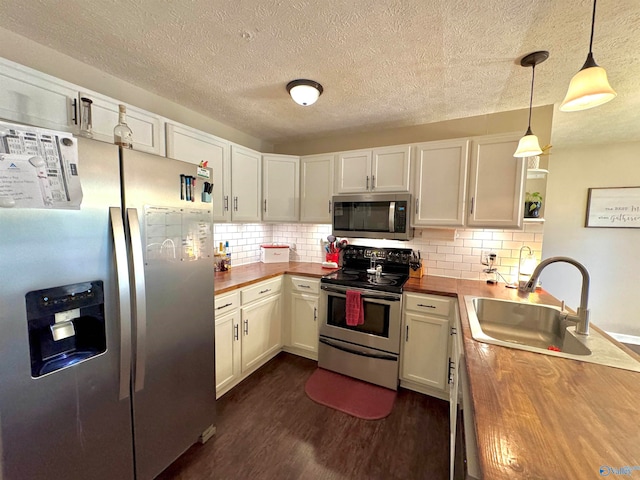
column 224, row 306
column 426, row 306
column 304, row 286
column 236, row 327
column 264, row 291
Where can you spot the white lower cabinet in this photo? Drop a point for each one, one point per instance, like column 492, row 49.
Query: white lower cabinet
column 227, row 322
column 425, row 349
column 248, row 331
column 301, row 337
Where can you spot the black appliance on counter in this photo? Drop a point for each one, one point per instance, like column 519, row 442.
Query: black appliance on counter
column 368, row 351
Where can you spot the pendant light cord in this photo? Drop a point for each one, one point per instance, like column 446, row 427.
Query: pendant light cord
column 533, row 76
column 593, row 25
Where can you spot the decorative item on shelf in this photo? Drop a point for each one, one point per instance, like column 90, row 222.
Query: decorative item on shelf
column 122, row 134
column 590, row 86
column 532, row 204
column 86, row 122
column 533, row 163
column 304, row 92
column 529, row 145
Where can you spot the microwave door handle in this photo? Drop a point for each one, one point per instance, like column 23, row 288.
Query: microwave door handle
column 392, row 217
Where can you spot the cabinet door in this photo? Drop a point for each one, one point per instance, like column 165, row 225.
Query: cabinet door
column 148, row 135
column 227, row 351
column 246, row 184
column 261, row 331
column 34, row 98
column 390, row 169
column 304, row 322
column 440, row 187
column 426, row 350
column 354, row 172
column 496, row 184
column 316, row 188
column 190, row 145
column 280, row 188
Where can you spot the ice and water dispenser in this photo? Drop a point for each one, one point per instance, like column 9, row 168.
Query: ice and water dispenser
column 66, row 325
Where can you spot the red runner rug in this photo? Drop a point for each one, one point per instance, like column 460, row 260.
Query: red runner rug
column 349, row 395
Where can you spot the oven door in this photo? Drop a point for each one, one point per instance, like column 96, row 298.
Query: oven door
column 382, row 316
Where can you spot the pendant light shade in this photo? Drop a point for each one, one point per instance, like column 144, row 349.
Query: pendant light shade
column 529, row 146
column 304, row 92
column 590, row 86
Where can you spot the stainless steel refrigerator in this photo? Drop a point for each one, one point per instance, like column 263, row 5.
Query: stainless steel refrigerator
column 106, row 322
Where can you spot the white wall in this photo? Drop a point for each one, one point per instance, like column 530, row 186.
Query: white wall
column 611, row 255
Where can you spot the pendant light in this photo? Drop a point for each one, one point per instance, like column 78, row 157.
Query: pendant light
column 529, row 145
column 304, row 92
column 590, row 86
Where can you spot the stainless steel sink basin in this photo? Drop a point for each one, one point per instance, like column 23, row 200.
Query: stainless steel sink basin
column 541, row 329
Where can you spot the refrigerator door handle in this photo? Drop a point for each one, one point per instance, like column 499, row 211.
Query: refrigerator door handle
column 124, row 300
column 140, row 300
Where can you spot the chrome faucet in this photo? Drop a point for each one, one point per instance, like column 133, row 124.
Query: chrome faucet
column 582, row 319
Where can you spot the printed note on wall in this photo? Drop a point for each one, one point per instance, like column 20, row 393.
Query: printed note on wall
column 613, row 207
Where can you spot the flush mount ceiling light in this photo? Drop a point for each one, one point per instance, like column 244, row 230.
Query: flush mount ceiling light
column 529, row 145
column 590, row 86
column 304, row 92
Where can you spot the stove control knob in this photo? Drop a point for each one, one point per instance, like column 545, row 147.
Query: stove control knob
column 405, row 258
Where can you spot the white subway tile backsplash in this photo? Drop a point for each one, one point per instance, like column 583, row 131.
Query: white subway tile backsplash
column 482, row 235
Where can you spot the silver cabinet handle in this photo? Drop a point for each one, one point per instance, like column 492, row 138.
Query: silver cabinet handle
column 224, row 306
column 315, row 313
column 246, row 327
column 236, row 327
column 417, row 205
column 472, row 199
column 235, row 204
column 452, row 366
column 140, row 297
column 367, row 182
column 373, row 182
column 304, row 286
column 454, row 331
column 329, row 206
column 265, row 205
column 406, row 335
column 120, row 253
column 264, row 291
column 226, row 203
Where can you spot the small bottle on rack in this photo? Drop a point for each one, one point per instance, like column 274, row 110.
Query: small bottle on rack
column 122, row 134
column 227, row 250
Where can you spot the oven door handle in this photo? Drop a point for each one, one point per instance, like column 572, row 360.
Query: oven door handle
column 388, row 298
column 381, row 356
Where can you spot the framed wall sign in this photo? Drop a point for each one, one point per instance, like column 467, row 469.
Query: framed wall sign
column 613, row 207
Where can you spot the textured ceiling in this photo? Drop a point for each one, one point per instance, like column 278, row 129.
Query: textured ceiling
column 382, row 63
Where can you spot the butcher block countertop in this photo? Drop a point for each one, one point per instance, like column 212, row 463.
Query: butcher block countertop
column 536, row 416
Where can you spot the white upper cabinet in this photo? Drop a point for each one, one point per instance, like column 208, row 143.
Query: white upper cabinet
column 191, row 145
column 280, row 188
column 148, row 134
column 390, row 169
column 246, row 184
column 383, row 169
column 496, row 183
column 440, row 183
column 316, row 188
column 34, row 98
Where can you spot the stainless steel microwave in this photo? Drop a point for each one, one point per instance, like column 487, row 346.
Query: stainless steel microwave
column 383, row 216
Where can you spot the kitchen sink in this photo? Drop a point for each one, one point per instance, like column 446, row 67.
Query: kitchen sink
column 541, row 329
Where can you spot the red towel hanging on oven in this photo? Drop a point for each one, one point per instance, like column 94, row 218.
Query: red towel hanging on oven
column 355, row 309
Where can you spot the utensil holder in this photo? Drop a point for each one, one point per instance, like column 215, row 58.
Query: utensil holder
column 416, row 269
column 332, row 257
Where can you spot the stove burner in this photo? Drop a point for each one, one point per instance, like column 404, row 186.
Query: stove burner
column 381, row 281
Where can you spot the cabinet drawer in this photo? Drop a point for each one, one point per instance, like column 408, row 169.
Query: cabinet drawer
column 226, row 303
column 305, row 285
column 261, row 290
column 428, row 304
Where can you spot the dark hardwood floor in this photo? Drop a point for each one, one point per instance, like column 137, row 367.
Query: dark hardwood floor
column 267, row 428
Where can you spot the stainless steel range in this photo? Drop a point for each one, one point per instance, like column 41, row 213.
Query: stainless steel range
column 369, row 350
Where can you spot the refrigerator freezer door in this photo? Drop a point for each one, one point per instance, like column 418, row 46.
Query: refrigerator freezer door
column 174, row 403
column 70, row 423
